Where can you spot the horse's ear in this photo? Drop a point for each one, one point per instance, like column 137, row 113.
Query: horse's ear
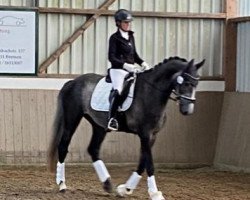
column 198, row 65
column 189, row 65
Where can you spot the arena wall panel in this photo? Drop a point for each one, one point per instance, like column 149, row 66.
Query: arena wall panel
column 26, row 123
column 243, row 58
column 243, row 7
column 156, row 38
column 233, row 149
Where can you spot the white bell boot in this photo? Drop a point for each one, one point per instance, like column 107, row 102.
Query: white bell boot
column 153, row 190
column 129, row 186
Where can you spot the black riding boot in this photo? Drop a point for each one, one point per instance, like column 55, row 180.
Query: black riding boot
column 114, row 104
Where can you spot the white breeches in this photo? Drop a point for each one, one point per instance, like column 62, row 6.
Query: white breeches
column 117, row 77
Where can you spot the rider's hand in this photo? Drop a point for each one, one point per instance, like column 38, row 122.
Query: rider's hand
column 145, row 66
column 132, row 68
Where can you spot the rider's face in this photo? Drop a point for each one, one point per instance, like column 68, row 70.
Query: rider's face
column 125, row 25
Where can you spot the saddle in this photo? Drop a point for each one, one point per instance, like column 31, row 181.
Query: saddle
column 100, row 99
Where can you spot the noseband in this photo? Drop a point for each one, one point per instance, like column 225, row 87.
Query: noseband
column 187, row 78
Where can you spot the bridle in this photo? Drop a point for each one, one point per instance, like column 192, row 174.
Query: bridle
column 179, row 80
column 187, row 78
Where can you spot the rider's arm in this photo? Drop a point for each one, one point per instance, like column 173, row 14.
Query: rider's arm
column 112, row 54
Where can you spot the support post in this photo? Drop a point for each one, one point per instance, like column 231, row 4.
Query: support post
column 230, row 46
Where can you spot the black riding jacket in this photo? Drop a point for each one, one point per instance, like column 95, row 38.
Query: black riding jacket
column 122, row 51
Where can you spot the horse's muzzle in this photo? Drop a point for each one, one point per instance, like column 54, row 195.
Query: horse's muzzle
column 186, row 107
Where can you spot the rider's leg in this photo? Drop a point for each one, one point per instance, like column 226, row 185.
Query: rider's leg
column 117, row 78
column 114, row 104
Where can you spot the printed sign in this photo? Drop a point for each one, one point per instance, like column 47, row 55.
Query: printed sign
column 18, row 42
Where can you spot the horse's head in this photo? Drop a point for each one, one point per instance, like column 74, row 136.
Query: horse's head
column 185, row 83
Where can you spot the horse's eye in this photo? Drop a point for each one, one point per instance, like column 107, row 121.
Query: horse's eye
column 186, row 84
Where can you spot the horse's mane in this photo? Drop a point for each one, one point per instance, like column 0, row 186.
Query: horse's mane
column 166, row 60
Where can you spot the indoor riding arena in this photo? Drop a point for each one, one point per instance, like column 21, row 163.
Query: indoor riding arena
column 46, row 43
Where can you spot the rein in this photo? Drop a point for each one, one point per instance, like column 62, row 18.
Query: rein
column 153, row 86
column 180, row 79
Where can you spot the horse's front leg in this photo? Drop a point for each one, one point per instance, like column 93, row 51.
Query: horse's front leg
column 100, row 168
column 146, row 162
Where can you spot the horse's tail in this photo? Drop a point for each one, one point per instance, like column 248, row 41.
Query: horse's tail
column 58, row 128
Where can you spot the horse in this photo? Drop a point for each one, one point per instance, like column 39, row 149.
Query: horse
column 153, row 88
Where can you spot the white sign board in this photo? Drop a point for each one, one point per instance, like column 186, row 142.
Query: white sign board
column 18, row 42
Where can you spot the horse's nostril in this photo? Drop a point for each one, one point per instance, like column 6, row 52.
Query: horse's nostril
column 185, row 113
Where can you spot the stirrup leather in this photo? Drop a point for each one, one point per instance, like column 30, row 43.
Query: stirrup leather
column 113, row 124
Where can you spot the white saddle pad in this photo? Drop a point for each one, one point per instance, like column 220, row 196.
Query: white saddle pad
column 100, row 97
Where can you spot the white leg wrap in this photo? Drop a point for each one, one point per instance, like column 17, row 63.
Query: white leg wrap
column 101, row 170
column 153, row 190
column 152, row 184
column 60, row 173
column 133, row 181
column 131, row 184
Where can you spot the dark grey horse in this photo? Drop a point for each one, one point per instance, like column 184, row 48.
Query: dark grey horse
column 144, row 118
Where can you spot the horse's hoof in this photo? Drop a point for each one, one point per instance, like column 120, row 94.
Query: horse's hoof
column 62, row 187
column 62, row 191
column 156, row 195
column 123, row 191
column 107, row 186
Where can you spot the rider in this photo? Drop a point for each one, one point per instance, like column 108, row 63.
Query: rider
column 122, row 55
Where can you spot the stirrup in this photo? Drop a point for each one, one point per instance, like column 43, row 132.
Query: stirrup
column 113, row 124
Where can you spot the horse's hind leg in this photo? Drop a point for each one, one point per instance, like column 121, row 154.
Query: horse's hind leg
column 94, row 149
column 70, row 125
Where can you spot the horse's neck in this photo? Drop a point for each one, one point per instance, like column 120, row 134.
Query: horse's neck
column 150, row 96
column 161, row 79
column 153, row 84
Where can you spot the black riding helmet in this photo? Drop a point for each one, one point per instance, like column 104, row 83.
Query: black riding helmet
column 123, row 15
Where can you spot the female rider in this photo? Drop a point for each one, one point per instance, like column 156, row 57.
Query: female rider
column 122, row 55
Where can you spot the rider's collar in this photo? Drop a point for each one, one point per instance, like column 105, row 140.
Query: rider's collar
column 124, row 34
